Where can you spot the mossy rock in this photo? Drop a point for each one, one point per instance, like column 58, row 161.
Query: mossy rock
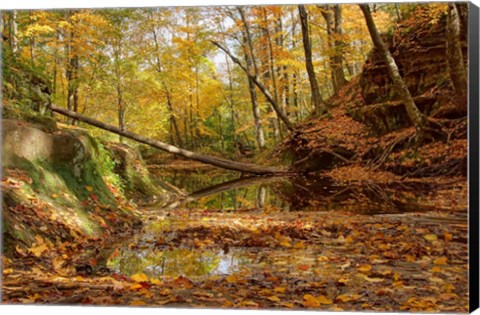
column 134, row 173
column 70, row 178
column 43, row 122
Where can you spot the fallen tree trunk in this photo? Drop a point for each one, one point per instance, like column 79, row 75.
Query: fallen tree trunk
column 207, row 159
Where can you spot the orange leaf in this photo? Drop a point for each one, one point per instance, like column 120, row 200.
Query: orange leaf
column 299, row 245
column 347, row 297
column 303, row 267
column 310, row 301
column 447, row 236
column 448, row 296
column 324, row 300
column 364, row 268
column 441, row 261
column 39, row 250
column 135, row 286
column 430, row 237
column 155, row 281
column 280, row 289
column 139, row 277
column 274, row 298
column 231, row 279
column 137, row 303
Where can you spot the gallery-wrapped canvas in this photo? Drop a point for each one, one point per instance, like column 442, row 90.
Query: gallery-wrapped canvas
column 243, row 156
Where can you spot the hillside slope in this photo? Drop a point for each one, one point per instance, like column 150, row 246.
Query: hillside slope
column 369, row 127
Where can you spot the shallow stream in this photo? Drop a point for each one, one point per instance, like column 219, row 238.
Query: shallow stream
column 192, row 236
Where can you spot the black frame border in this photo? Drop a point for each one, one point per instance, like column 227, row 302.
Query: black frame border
column 473, row 158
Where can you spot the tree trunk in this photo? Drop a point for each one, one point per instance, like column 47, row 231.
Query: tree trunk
column 277, row 130
column 327, row 16
column 457, row 70
column 318, row 103
column 271, row 59
column 256, row 115
column 338, row 48
column 294, row 87
column 398, row 14
column 197, row 103
column 13, row 31
column 72, row 68
column 260, row 86
column 282, row 70
column 173, row 119
column 417, row 118
column 72, row 84
column 120, row 110
column 248, row 38
column 220, row 131
column 55, row 63
column 230, row 92
column 3, row 37
column 252, row 67
column 207, row 159
column 31, row 41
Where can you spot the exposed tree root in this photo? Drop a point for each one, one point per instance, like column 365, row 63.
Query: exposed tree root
column 395, row 144
column 456, row 167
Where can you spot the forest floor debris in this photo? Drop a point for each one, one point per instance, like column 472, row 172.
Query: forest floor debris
column 320, row 260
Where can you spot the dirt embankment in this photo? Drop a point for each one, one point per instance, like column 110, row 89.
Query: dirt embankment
column 368, row 125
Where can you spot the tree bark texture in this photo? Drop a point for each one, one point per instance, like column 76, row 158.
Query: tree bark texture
column 318, row 104
column 338, row 48
column 252, row 68
column 457, row 69
column 417, row 118
column 72, row 68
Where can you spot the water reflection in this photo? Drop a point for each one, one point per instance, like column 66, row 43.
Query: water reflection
column 244, row 192
column 171, row 262
column 316, row 193
column 151, row 253
column 305, row 193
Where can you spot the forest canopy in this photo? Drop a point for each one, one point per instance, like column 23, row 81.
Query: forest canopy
column 156, row 71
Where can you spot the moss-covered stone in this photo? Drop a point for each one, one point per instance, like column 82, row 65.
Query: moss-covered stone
column 61, row 186
column 135, row 176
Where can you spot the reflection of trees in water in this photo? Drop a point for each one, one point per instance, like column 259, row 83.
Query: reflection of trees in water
column 261, row 195
column 308, row 192
column 192, row 181
column 240, row 193
column 297, row 193
column 171, row 262
column 323, row 193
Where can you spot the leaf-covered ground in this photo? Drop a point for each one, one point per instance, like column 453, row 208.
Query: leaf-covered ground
column 317, row 260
